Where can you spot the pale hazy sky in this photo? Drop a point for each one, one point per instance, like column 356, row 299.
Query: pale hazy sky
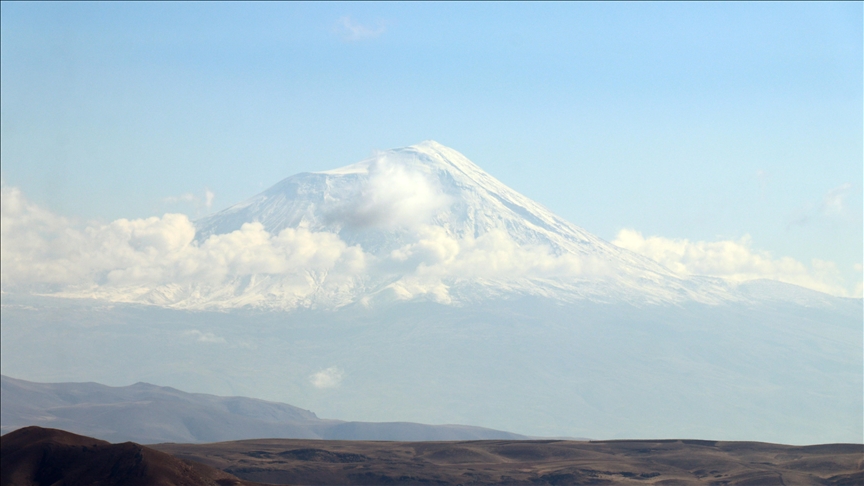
column 704, row 121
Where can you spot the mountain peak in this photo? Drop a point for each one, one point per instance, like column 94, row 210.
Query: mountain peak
column 424, row 221
column 427, row 156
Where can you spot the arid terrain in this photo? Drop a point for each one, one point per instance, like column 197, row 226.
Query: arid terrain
column 667, row 462
column 35, row 456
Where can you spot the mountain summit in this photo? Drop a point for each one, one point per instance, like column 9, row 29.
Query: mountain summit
column 377, row 203
column 425, row 222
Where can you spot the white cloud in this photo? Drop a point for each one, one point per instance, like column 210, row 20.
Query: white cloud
column 188, row 197
column 328, row 378
column 157, row 259
column 859, row 287
column 834, row 201
column 392, row 196
column 191, row 201
column 31, row 239
column 204, row 337
column 858, row 292
column 832, row 206
column 353, row 31
column 491, row 255
column 437, row 255
column 732, row 260
column 763, row 177
column 127, row 259
column 208, row 198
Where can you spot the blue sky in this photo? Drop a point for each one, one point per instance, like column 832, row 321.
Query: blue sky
column 704, row 121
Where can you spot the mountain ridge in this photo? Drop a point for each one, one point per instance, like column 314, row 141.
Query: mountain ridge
column 147, row 413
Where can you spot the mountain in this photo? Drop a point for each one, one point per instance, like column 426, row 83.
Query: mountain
column 420, row 223
column 37, row 456
column 152, row 414
column 414, row 287
column 426, row 223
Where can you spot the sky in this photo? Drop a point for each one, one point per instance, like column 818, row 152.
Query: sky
column 672, row 129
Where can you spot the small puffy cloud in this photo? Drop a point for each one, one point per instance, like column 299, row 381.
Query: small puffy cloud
column 353, row 31
column 208, row 198
column 191, row 201
column 204, row 337
column 834, row 201
column 433, row 246
column 859, row 287
column 436, row 255
column 495, row 255
column 733, row 260
column 763, row 177
column 833, row 205
column 328, row 378
column 392, row 196
column 491, row 255
column 188, row 197
column 253, row 250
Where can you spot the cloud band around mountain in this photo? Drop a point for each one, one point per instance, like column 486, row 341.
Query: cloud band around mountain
column 157, row 260
column 735, row 261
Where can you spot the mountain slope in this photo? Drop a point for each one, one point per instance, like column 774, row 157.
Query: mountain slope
column 420, row 223
column 37, row 456
column 465, row 201
column 432, row 224
column 151, row 414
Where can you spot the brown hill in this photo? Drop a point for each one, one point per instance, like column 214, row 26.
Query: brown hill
column 35, row 456
column 637, row 462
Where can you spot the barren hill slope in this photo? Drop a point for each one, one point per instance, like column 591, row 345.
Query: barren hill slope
column 34, row 456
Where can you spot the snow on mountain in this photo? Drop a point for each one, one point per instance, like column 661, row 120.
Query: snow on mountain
column 434, row 225
column 420, row 223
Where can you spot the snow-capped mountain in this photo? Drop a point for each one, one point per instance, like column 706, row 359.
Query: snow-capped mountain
column 441, row 187
column 421, row 289
column 432, row 224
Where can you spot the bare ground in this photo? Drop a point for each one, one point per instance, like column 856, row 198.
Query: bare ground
column 646, row 462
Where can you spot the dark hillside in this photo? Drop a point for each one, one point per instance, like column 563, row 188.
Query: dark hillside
column 35, row 456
